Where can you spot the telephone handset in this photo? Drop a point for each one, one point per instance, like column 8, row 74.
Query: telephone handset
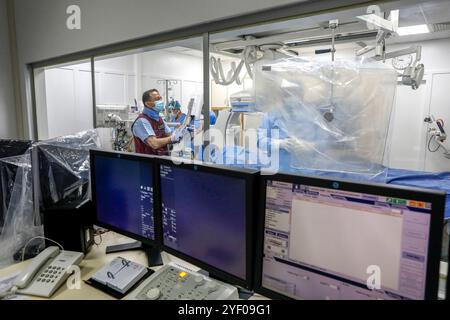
column 47, row 272
column 28, row 274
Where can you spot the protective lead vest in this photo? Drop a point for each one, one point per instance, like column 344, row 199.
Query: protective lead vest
column 160, row 132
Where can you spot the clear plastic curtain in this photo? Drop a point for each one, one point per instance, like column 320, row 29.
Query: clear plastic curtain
column 21, row 221
column 337, row 114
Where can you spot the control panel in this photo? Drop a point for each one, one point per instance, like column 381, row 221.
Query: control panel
column 173, row 282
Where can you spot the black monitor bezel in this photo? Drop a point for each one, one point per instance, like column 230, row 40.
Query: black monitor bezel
column 250, row 177
column 437, row 198
column 447, row 284
column 157, row 219
column 25, row 146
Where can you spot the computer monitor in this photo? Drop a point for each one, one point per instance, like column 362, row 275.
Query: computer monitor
column 8, row 172
column 328, row 239
column 122, row 193
column 63, row 174
column 12, row 148
column 123, row 197
column 208, row 218
column 9, row 149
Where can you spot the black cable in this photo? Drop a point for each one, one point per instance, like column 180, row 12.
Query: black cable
column 101, row 239
column 99, row 233
column 429, row 145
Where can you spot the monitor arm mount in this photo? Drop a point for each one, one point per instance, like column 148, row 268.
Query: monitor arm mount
column 412, row 75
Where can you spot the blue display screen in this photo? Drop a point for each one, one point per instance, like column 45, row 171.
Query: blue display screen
column 204, row 217
column 124, row 195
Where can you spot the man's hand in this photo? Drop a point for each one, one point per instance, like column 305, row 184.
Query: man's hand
column 178, row 134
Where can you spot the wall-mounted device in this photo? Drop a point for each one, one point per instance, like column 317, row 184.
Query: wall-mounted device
column 437, row 133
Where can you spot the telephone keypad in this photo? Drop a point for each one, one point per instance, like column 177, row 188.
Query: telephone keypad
column 50, row 274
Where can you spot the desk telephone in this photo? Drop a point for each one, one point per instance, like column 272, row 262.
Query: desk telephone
column 47, row 272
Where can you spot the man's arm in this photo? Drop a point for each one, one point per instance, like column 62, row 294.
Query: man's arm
column 143, row 130
column 167, row 130
column 157, row 143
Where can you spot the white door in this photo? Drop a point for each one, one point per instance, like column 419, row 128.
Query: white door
column 84, row 119
column 60, row 94
column 440, row 109
column 408, row 129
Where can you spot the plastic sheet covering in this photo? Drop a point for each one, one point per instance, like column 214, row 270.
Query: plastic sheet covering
column 64, row 168
column 11, row 148
column 21, row 221
column 64, row 173
column 335, row 115
column 8, row 171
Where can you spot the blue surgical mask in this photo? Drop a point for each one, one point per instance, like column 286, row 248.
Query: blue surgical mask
column 159, row 106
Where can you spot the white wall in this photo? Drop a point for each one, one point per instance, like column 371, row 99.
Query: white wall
column 173, row 65
column 7, row 103
column 120, row 80
column 115, row 80
column 42, row 32
column 64, row 100
column 187, row 70
column 64, row 95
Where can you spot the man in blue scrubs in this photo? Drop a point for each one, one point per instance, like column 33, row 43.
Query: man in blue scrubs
column 274, row 136
column 151, row 134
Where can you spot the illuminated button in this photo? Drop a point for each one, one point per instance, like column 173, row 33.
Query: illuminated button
column 211, row 287
column 199, row 280
column 183, row 274
column 153, row 294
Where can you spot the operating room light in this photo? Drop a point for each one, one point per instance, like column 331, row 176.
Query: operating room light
column 411, row 30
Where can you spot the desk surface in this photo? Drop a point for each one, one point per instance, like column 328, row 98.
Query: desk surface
column 95, row 260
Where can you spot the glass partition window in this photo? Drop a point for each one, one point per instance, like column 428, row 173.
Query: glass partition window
column 174, row 69
column 63, row 99
column 317, row 91
column 320, row 80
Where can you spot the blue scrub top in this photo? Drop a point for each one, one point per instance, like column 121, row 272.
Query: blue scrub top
column 180, row 120
column 272, row 122
column 143, row 129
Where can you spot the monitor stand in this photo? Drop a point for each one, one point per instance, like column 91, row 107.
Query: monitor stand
column 153, row 254
column 244, row 294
